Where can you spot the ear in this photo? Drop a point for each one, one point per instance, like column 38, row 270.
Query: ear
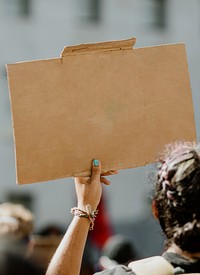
column 154, row 209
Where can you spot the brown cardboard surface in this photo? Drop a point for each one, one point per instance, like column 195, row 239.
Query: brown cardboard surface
column 107, row 101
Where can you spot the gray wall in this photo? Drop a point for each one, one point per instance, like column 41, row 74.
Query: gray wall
column 42, row 33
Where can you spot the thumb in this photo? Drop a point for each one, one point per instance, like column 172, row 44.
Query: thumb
column 96, row 169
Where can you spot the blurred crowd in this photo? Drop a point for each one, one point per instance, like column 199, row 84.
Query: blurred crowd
column 30, row 252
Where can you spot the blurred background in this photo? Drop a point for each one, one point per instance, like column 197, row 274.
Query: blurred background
column 39, row 29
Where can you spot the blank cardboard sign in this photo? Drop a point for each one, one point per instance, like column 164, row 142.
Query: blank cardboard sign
column 107, row 101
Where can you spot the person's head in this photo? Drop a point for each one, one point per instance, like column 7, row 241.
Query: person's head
column 118, row 249
column 16, row 222
column 177, row 195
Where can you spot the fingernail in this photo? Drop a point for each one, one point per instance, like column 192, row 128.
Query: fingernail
column 96, row 162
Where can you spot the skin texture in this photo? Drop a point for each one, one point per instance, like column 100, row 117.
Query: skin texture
column 68, row 256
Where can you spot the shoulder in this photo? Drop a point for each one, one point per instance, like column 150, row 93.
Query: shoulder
column 118, row 270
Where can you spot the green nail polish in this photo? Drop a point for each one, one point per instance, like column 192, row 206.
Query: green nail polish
column 96, row 162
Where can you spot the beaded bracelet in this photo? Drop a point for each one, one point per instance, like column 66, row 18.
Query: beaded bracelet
column 91, row 215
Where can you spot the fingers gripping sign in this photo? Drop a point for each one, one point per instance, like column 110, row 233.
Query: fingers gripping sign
column 96, row 170
column 89, row 189
column 96, row 173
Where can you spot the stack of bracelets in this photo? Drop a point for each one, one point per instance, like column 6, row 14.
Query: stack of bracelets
column 89, row 214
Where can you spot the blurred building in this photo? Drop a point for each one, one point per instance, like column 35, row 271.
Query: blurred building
column 39, row 29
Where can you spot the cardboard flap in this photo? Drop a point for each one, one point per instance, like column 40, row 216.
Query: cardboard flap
column 102, row 46
column 118, row 106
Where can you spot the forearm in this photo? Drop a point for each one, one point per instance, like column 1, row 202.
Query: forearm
column 68, row 256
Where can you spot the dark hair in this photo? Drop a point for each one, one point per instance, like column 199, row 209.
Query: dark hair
column 177, row 195
column 13, row 260
column 119, row 248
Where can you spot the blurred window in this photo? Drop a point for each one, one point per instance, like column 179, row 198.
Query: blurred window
column 160, row 13
column 94, row 8
column 89, row 10
column 18, row 7
column 24, row 7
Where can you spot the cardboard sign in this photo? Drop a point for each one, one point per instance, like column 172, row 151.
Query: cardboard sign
column 107, row 101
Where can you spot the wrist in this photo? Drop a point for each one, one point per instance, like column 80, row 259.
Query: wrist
column 87, row 213
column 84, row 222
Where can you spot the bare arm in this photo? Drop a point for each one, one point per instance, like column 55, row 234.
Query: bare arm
column 68, row 256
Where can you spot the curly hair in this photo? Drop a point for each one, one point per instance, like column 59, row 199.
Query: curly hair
column 16, row 221
column 177, row 195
